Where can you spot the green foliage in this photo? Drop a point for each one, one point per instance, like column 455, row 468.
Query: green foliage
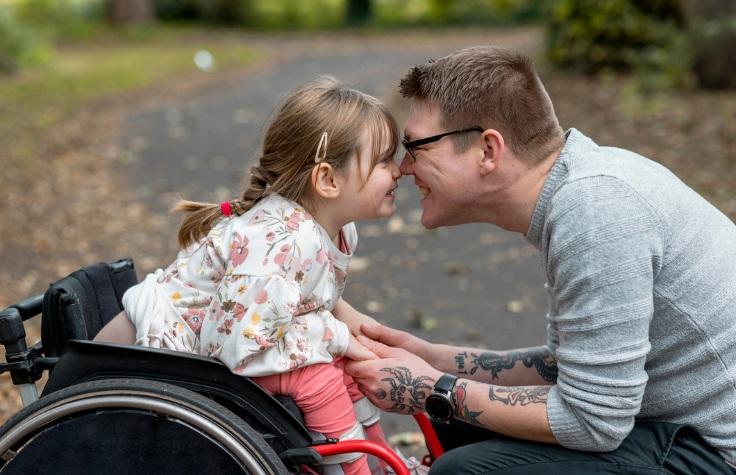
column 19, row 46
column 257, row 14
column 297, row 14
column 62, row 19
column 456, row 12
column 236, row 12
column 314, row 14
column 629, row 35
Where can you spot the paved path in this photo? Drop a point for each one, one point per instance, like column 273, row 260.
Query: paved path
column 474, row 284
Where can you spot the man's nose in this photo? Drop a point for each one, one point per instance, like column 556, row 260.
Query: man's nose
column 407, row 165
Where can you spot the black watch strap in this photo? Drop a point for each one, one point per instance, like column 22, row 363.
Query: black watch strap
column 445, row 384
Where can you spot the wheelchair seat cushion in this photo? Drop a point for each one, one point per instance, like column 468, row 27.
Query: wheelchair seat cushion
column 79, row 305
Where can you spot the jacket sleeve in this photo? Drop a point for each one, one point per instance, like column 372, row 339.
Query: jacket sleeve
column 605, row 250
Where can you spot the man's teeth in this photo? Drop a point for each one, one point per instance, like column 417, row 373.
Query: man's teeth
column 424, row 191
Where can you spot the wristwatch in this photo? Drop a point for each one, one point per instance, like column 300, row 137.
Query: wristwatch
column 439, row 405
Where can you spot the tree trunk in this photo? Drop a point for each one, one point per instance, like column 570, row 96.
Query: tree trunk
column 130, row 11
column 711, row 27
column 358, row 12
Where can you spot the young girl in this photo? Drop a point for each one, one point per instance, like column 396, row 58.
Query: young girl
column 258, row 281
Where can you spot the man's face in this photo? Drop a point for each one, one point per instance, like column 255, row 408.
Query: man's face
column 446, row 179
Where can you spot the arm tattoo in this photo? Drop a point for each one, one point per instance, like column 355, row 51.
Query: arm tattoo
column 541, row 359
column 407, row 393
column 461, row 406
column 521, row 395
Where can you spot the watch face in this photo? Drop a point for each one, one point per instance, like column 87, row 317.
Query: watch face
column 438, row 407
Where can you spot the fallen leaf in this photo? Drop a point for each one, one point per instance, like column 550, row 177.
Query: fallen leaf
column 514, row 306
column 395, row 225
column 359, row 263
column 456, row 268
column 373, row 307
column 405, row 439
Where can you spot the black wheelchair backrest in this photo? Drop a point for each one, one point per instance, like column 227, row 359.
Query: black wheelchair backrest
column 80, row 304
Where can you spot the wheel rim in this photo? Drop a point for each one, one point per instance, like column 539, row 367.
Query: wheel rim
column 127, row 399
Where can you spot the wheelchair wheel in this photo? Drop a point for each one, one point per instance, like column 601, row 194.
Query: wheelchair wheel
column 131, row 426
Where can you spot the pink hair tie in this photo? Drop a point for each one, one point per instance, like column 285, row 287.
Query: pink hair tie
column 225, row 208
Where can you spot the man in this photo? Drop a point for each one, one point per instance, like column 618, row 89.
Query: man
column 638, row 373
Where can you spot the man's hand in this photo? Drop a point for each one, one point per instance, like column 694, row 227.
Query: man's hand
column 400, row 339
column 398, row 381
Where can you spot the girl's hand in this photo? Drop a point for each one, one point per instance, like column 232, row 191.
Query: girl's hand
column 401, row 339
column 352, row 318
column 358, row 352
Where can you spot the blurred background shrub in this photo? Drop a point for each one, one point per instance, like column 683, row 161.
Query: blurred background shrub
column 20, row 46
column 666, row 43
column 596, row 36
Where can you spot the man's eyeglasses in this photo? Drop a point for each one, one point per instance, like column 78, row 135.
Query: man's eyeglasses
column 411, row 146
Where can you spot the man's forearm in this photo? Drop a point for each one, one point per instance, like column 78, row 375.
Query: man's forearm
column 515, row 411
column 522, row 367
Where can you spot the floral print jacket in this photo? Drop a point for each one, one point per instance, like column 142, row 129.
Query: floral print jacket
column 257, row 293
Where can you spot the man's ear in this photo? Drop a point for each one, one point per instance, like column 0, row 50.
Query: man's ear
column 492, row 144
column 324, row 182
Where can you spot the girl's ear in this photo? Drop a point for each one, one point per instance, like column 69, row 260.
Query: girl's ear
column 324, row 182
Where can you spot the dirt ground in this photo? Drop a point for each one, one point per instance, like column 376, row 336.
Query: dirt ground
column 77, row 203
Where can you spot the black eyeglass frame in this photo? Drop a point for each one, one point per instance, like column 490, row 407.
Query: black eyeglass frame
column 411, row 145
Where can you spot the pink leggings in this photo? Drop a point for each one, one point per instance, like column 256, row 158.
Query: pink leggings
column 325, row 395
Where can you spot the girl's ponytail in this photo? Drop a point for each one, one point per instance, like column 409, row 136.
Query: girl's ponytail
column 198, row 222
column 203, row 216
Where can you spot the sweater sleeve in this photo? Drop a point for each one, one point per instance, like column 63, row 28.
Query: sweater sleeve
column 605, row 249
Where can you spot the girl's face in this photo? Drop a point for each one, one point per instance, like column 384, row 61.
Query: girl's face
column 370, row 193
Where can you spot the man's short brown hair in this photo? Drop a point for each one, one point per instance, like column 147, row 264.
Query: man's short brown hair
column 489, row 87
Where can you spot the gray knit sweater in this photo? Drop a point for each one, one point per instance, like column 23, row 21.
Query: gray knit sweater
column 641, row 273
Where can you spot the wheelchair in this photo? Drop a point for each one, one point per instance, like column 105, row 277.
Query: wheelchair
column 122, row 409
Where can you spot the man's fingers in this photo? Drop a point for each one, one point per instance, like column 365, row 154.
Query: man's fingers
column 383, row 351
column 382, row 333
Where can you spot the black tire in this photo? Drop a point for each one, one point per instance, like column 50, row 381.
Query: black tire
column 131, row 426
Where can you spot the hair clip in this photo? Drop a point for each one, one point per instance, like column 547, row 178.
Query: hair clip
column 321, row 147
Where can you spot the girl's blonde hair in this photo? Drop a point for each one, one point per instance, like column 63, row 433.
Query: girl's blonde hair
column 292, row 142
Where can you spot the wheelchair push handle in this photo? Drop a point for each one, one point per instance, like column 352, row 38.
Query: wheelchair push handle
column 29, row 307
column 12, row 333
